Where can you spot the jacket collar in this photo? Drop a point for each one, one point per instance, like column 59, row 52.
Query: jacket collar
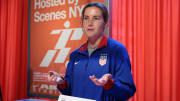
column 103, row 43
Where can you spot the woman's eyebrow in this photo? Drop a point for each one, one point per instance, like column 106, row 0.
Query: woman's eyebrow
column 96, row 16
column 86, row 16
column 93, row 16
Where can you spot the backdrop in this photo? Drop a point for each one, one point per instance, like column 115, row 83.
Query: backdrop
column 148, row 28
column 13, row 48
column 55, row 32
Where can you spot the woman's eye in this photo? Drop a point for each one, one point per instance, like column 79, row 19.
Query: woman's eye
column 86, row 18
column 96, row 18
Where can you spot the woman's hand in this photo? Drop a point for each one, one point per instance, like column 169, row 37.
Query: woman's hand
column 54, row 77
column 102, row 81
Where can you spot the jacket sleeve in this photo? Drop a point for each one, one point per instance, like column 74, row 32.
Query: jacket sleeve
column 123, row 85
column 65, row 88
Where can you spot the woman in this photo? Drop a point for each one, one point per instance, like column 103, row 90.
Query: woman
column 100, row 69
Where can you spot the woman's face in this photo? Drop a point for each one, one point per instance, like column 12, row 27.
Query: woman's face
column 93, row 22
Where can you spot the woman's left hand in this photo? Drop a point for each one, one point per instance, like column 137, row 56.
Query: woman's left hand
column 101, row 81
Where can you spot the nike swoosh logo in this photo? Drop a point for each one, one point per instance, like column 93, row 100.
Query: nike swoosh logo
column 76, row 63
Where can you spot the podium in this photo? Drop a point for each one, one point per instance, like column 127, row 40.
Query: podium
column 37, row 99
column 71, row 98
column 31, row 100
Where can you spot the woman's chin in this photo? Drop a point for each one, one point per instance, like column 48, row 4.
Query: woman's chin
column 90, row 35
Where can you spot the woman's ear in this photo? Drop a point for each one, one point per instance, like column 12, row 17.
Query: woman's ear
column 106, row 24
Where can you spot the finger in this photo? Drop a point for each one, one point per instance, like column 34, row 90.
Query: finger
column 49, row 78
column 92, row 77
column 107, row 76
column 52, row 78
column 97, row 82
column 50, row 73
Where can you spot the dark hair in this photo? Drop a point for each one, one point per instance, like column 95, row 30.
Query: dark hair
column 99, row 5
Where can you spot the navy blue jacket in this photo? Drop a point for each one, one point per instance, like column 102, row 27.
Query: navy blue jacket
column 110, row 57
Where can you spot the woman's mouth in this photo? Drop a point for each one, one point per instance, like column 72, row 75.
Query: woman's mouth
column 90, row 29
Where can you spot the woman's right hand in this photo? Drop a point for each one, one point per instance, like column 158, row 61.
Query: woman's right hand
column 55, row 77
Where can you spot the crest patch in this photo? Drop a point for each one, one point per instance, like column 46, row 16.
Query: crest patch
column 103, row 59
